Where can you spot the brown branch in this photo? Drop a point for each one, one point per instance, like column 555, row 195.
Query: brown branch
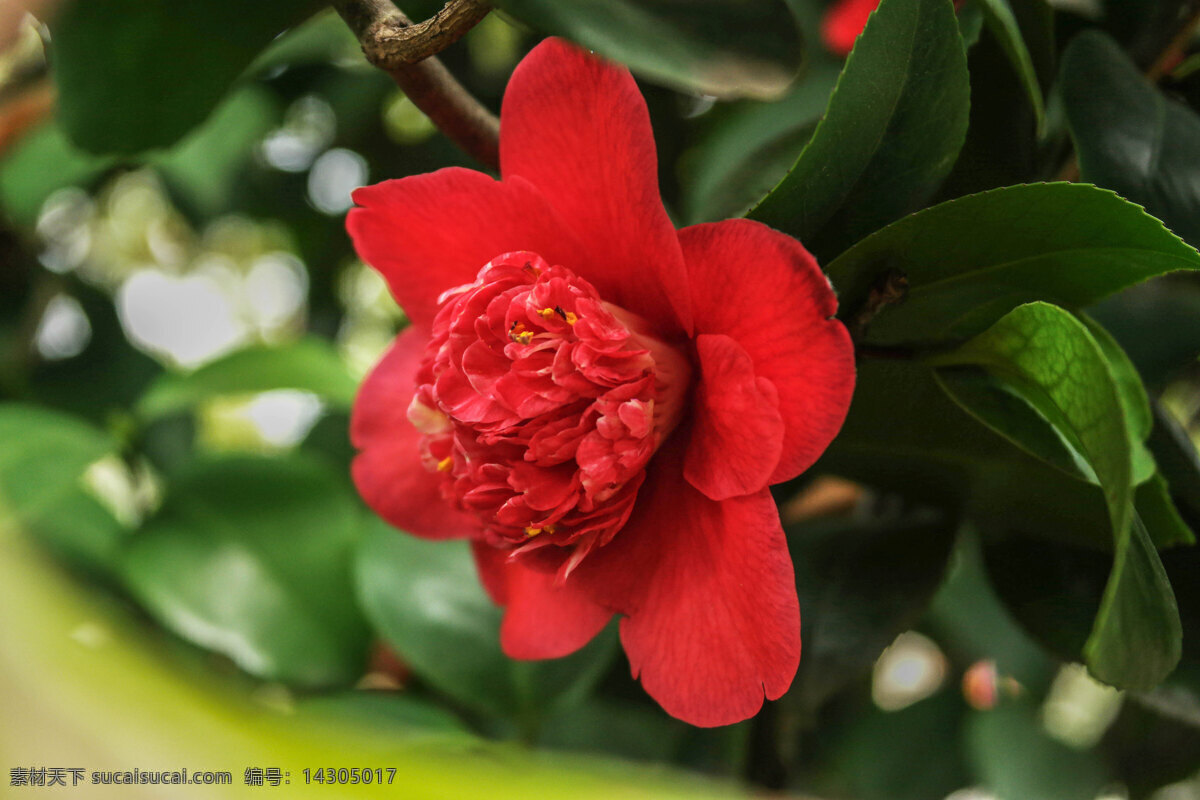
column 405, row 51
column 891, row 288
column 390, row 39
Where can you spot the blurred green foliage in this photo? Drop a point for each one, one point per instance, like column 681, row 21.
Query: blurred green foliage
column 183, row 324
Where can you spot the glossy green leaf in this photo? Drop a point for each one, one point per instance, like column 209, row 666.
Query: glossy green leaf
column 134, row 75
column 1136, row 639
column 1160, row 516
column 996, row 405
column 746, row 147
column 310, row 365
column 1052, row 360
column 1129, row 137
column 251, row 557
column 891, row 132
column 425, row 599
column 1130, row 390
column 726, row 48
column 1070, row 244
column 1004, row 26
column 42, row 463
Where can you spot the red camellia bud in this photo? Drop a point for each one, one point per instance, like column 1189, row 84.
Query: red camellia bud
column 844, row 20
column 598, row 401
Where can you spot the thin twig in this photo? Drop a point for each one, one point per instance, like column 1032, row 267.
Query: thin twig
column 1173, row 52
column 891, row 288
column 405, row 51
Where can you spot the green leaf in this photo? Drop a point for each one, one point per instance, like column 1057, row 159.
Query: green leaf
column 251, row 557
column 41, row 163
column 746, row 147
column 1157, row 324
column 891, row 132
column 42, row 465
column 135, row 75
column 309, row 364
column 205, row 165
column 726, row 48
column 1004, row 26
column 880, row 748
column 1053, row 361
column 1002, row 408
column 998, row 406
column 384, row 713
column 1129, row 137
column 1016, row 758
column 1158, row 513
column 425, row 599
column 1178, row 460
column 970, row 261
column 854, row 599
column 1135, row 642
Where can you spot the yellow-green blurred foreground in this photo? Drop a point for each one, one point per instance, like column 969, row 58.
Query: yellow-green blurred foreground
column 82, row 685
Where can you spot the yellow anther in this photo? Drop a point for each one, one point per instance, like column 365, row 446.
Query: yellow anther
column 531, row 531
column 549, row 528
column 571, row 318
column 546, row 313
column 445, row 464
column 518, row 333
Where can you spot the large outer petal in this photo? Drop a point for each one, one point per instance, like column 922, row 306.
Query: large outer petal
column 541, row 620
column 429, row 233
column 737, row 433
column 766, row 292
column 578, row 129
column 713, row 621
column 388, row 470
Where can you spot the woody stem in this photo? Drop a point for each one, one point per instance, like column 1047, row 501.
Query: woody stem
column 405, row 51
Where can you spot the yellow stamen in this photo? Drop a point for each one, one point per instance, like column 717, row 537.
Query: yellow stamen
column 445, row 464
column 531, row 532
column 571, row 318
column 546, row 313
column 519, row 334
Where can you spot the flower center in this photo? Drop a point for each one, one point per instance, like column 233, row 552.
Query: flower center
column 541, row 404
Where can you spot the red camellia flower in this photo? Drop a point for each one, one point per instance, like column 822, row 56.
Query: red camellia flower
column 597, row 400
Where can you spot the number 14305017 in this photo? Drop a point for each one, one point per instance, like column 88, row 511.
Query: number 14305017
column 343, row 775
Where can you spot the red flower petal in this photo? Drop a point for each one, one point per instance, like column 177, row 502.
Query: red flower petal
column 737, row 435
column 578, row 129
column 713, row 620
column 388, row 471
column 843, row 22
column 766, row 292
column 429, row 233
column 541, row 620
